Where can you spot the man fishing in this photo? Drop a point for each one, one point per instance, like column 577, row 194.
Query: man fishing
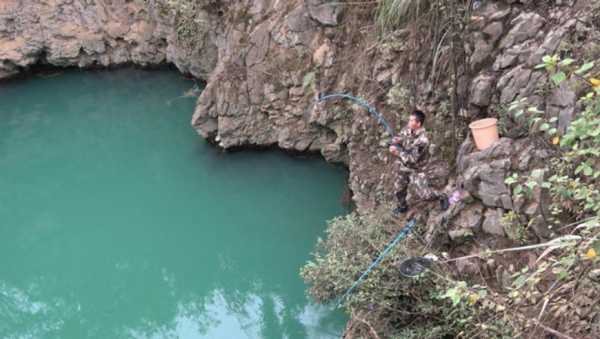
column 411, row 147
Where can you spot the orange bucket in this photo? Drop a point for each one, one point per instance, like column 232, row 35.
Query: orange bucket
column 485, row 132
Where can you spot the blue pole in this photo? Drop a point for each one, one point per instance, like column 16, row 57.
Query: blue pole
column 403, row 233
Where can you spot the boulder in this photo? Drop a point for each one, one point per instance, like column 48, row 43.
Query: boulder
column 515, row 54
column 561, row 103
column 460, row 235
column 524, row 27
column 493, row 31
column 484, row 172
column 470, row 217
column 327, row 14
column 482, row 51
column 513, row 83
column 481, row 90
column 492, row 222
column 551, row 43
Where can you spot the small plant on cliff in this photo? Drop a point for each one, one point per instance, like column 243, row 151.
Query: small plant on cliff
column 556, row 291
column 190, row 20
column 387, row 303
column 391, row 14
column 575, row 183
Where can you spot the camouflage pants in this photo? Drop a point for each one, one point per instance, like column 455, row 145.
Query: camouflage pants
column 419, row 184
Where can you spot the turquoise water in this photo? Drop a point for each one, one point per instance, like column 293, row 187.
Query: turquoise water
column 118, row 221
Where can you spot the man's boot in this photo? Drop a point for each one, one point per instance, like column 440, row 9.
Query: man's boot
column 444, row 203
column 402, row 206
column 400, row 210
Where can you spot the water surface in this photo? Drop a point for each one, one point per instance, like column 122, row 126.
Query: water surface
column 118, row 221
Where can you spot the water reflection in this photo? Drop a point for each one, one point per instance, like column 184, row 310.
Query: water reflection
column 220, row 314
column 214, row 318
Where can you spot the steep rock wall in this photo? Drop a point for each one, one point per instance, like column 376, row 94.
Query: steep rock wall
column 266, row 62
column 88, row 33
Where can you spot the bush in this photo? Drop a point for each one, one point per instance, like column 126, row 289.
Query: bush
column 390, row 303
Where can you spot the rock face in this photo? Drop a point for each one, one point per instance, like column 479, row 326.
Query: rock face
column 483, row 175
column 484, row 172
column 267, row 61
column 262, row 105
column 95, row 33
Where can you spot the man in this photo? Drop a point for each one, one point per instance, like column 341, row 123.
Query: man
column 411, row 147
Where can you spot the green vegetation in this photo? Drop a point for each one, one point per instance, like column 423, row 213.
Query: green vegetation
column 387, row 303
column 392, row 14
column 191, row 19
column 557, row 293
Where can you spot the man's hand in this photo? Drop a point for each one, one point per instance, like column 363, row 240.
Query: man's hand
column 394, row 150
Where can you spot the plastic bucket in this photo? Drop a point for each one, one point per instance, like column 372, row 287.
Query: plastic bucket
column 485, row 132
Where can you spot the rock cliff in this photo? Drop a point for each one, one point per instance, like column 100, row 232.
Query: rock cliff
column 96, row 33
column 266, row 61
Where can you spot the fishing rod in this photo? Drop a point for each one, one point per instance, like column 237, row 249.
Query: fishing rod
column 362, row 102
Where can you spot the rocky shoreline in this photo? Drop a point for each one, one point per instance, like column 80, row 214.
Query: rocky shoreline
column 265, row 62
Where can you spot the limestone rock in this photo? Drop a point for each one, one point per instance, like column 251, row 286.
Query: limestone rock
column 513, row 83
column 327, row 14
column 524, row 27
column 101, row 33
column 460, row 235
column 492, row 222
column 256, row 57
column 515, row 54
column 495, row 10
column 561, row 103
column 470, row 218
column 482, row 51
column 493, row 31
column 551, row 43
column 467, row 267
column 484, row 172
column 322, row 56
column 541, row 228
column 481, row 90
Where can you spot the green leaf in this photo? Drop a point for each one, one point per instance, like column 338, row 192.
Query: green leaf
column 547, row 59
column 584, row 68
column 520, row 281
column 534, row 110
column 562, row 274
column 545, row 126
column 566, row 62
column 558, row 77
column 518, row 190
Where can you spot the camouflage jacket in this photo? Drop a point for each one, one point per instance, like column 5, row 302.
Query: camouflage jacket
column 414, row 149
